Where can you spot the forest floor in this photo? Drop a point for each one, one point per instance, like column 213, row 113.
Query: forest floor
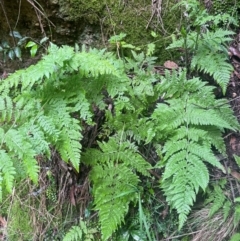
column 232, row 139
column 233, row 95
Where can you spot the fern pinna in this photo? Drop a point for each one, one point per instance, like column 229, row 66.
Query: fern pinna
column 191, row 121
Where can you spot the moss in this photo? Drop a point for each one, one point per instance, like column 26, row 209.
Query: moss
column 19, row 224
column 169, row 24
column 130, row 17
column 226, row 6
column 133, row 19
column 81, row 9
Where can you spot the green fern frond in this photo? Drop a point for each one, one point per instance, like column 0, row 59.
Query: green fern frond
column 192, row 125
column 69, row 146
column 235, row 237
column 227, row 207
column 114, row 188
column 18, row 144
column 31, row 167
column 51, row 64
column 219, row 68
column 216, row 38
column 47, row 103
column 214, row 138
column 236, row 216
column 74, row 234
column 6, row 109
column 226, row 113
column 46, row 123
column 37, row 138
column 209, row 53
column 7, row 172
column 115, row 180
column 179, row 43
column 101, row 64
column 123, row 151
column 81, row 232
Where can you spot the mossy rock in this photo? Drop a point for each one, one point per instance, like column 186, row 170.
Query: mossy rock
column 80, row 9
column 135, row 18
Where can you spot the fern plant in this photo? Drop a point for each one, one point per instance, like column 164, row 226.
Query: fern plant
column 191, row 122
column 47, row 105
column 80, row 232
column 115, row 169
column 205, row 44
column 218, row 200
column 37, row 107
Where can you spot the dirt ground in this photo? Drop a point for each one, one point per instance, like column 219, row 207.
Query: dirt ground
column 233, row 95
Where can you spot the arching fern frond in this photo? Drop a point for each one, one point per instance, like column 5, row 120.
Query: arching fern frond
column 219, row 68
column 74, row 234
column 80, row 233
column 209, row 54
column 114, row 174
column 192, row 125
column 46, row 104
column 19, row 145
column 49, row 65
column 7, row 172
column 6, row 109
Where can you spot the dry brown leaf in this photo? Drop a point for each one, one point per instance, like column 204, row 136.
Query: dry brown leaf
column 234, row 52
column 3, row 222
column 233, row 143
column 235, row 174
column 170, row 65
column 72, row 196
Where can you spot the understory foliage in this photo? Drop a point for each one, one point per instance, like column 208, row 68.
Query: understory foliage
column 115, row 180
column 51, row 104
column 191, row 121
column 204, row 38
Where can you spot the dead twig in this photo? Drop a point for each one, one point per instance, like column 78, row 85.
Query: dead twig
column 157, row 10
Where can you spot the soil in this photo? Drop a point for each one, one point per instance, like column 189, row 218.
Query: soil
column 36, row 20
column 233, row 95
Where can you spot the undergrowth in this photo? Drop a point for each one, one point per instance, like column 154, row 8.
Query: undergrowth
column 51, row 104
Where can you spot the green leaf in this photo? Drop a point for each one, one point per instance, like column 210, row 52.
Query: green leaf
column 18, row 52
column 30, row 44
column 237, row 199
column 34, row 50
column 127, row 46
column 22, row 41
column 117, row 38
column 237, row 159
column 150, row 49
column 15, row 34
column 11, row 54
column 153, row 34
column 5, row 45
